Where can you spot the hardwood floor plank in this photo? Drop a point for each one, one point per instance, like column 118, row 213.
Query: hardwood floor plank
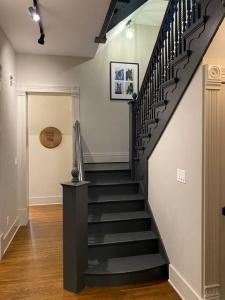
column 32, row 267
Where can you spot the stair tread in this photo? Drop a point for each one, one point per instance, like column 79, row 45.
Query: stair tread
column 117, row 198
column 111, row 183
column 121, row 265
column 106, row 167
column 108, row 217
column 115, row 238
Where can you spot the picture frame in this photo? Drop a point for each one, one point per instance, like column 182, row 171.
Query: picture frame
column 124, row 80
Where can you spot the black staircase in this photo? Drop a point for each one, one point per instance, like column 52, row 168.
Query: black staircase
column 123, row 245
column 120, row 243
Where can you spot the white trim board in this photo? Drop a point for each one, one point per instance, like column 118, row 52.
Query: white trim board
column 181, row 286
column 106, row 157
column 45, row 200
column 23, row 214
column 6, row 239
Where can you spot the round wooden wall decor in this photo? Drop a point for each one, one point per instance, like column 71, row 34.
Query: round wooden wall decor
column 50, row 137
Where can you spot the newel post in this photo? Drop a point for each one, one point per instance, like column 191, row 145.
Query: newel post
column 75, row 234
column 132, row 132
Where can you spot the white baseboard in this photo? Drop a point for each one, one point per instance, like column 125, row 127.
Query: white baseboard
column 1, row 246
column 48, row 200
column 106, row 157
column 6, row 239
column 181, row 286
column 24, row 218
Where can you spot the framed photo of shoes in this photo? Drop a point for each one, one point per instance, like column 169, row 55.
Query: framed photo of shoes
column 124, row 80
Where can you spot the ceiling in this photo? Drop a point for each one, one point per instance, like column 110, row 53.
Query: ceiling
column 70, row 26
column 151, row 13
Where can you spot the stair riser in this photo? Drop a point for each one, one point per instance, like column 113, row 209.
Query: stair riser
column 100, row 208
column 124, row 189
column 120, row 226
column 159, row 273
column 107, row 176
column 125, row 249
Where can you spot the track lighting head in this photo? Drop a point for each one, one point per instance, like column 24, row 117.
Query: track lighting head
column 34, row 14
column 129, row 30
column 41, row 40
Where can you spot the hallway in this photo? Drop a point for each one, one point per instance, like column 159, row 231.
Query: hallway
column 32, row 267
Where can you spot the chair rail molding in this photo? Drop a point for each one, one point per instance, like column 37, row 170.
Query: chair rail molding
column 22, row 141
column 214, row 77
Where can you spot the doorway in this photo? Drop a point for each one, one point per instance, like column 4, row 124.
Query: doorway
column 22, row 141
column 50, row 124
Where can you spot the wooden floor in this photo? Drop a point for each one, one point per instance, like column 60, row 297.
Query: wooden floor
column 32, row 266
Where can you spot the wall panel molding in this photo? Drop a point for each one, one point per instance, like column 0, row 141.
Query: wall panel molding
column 212, row 292
column 214, row 77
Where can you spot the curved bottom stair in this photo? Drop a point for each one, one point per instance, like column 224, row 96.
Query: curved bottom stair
column 123, row 246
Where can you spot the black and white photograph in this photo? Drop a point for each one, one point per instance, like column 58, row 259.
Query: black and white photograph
column 124, row 80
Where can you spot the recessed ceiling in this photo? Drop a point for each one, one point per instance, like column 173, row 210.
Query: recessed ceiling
column 70, row 26
column 151, row 13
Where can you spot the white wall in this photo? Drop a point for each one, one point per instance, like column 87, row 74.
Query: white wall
column 177, row 207
column 8, row 142
column 101, row 119
column 49, row 167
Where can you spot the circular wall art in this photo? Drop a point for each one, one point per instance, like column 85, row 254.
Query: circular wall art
column 50, row 137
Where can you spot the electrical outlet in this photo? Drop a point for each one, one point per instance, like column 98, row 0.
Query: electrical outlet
column 7, row 221
column 181, row 175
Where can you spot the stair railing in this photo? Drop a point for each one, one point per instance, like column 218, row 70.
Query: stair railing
column 186, row 31
column 170, row 45
column 78, row 166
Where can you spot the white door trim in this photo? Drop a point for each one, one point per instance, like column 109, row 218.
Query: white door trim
column 22, row 133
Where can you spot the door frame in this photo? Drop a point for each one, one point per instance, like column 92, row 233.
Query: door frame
column 22, row 136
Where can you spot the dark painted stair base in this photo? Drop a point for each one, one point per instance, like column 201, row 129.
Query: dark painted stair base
column 122, row 245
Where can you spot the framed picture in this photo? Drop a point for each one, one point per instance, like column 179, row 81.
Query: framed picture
column 124, row 80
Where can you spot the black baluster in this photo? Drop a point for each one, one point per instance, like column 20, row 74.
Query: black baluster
column 189, row 17
column 176, row 34
column 184, row 13
column 194, row 11
column 180, row 27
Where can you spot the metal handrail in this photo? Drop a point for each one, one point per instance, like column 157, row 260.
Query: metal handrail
column 78, row 166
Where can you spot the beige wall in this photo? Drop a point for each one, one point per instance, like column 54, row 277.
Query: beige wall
column 215, row 53
column 8, row 139
column 49, row 167
column 177, row 207
column 101, row 119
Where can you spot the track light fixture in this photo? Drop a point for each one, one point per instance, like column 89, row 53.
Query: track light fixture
column 41, row 40
column 35, row 14
column 129, row 30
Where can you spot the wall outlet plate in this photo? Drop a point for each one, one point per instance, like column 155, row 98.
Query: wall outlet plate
column 181, row 175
